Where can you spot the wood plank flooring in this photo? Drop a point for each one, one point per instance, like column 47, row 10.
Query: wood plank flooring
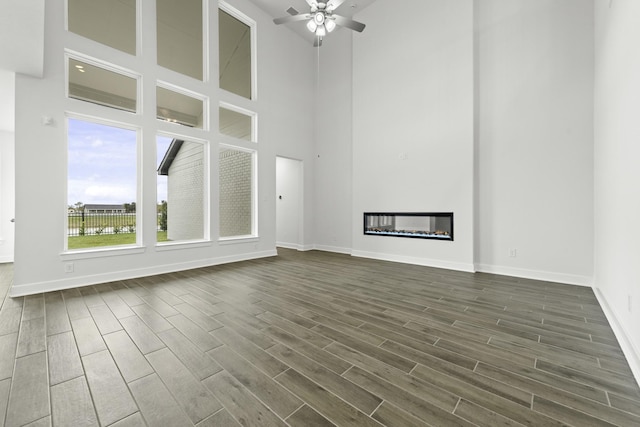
column 313, row 339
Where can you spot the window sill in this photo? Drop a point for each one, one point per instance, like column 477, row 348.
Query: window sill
column 102, row 252
column 169, row 246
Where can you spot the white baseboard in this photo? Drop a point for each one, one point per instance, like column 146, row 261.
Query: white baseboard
column 437, row 263
column 335, row 249
column 286, row 245
column 547, row 276
column 299, row 247
column 58, row 285
column 631, row 352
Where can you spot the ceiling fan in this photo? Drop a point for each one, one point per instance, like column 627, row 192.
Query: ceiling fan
column 321, row 19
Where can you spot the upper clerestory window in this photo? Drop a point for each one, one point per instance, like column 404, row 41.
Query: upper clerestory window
column 100, row 85
column 235, row 55
column 112, row 23
column 180, row 36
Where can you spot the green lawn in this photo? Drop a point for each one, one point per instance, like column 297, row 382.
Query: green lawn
column 83, row 242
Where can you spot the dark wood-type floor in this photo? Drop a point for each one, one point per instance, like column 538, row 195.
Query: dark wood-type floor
column 313, row 339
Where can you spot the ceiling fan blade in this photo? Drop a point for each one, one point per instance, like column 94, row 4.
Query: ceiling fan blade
column 317, row 42
column 294, row 18
column 349, row 23
column 312, row 2
column 333, row 5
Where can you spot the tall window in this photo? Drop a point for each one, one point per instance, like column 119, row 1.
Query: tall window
column 110, row 139
column 101, row 185
column 236, row 192
column 181, row 189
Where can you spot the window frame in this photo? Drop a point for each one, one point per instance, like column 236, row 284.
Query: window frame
column 98, row 251
column 254, row 195
column 252, row 24
column 108, row 66
column 138, row 30
column 252, row 115
column 206, row 192
column 206, row 115
column 206, row 72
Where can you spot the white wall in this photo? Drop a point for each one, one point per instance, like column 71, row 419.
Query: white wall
column 333, row 151
column 289, row 122
column 534, row 86
column 285, row 120
column 289, row 203
column 7, row 195
column 22, row 20
column 413, row 125
column 7, row 100
column 7, row 164
column 617, row 150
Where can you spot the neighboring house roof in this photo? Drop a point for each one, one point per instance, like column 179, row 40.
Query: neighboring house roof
column 98, row 207
column 169, row 156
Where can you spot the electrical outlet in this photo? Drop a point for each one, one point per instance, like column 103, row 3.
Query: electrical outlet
column 513, row 252
column 68, row 267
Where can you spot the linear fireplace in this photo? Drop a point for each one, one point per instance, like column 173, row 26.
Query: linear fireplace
column 433, row 225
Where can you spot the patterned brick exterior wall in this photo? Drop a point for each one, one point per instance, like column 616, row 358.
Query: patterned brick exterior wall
column 185, row 208
column 235, row 193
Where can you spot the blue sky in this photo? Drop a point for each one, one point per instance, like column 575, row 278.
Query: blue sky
column 102, row 164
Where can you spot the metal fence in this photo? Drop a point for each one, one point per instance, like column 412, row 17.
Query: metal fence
column 91, row 224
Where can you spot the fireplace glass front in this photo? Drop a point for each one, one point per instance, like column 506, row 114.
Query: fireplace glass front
column 438, row 225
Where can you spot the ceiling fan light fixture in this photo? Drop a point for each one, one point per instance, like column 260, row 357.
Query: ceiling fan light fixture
column 312, row 26
column 330, row 25
column 321, row 31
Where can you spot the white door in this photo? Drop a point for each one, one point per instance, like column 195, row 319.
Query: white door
column 7, row 196
column 289, row 207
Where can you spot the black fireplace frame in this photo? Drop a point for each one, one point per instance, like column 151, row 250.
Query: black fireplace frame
column 447, row 238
